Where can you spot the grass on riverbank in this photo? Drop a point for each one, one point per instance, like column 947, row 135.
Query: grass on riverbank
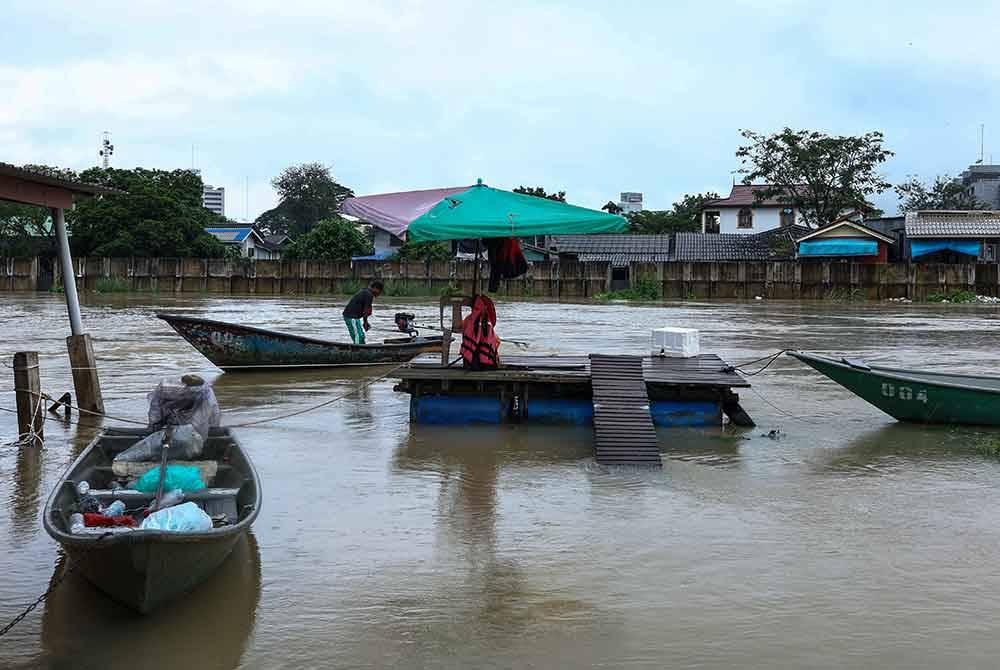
column 646, row 290
column 958, row 297
column 112, row 285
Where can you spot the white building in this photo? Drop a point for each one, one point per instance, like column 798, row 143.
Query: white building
column 630, row 202
column 740, row 213
column 214, row 199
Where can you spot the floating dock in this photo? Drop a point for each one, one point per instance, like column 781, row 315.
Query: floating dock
column 558, row 389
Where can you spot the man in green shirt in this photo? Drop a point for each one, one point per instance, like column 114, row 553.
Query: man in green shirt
column 358, row 309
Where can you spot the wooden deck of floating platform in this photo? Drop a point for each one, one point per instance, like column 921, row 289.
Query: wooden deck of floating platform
column 558, row 389
column 706, row 370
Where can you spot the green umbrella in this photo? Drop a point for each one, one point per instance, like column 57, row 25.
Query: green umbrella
column 481, row 212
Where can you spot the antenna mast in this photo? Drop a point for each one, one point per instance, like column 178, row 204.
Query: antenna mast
column 107, row 148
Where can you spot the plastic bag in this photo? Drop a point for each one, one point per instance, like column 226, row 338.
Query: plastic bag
column 190, row 403
column 183, row 477
column 183, row 518
column 186, row 444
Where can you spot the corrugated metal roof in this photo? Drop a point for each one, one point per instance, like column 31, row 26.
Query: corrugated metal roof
column 941, row 223
column 8, row 170
column 611, row 244
column 764, row 246
column 230, row 234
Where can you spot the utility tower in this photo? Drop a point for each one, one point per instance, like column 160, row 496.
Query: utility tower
column 107, row 148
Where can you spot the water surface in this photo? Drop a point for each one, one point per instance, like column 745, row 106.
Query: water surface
column 846, row 541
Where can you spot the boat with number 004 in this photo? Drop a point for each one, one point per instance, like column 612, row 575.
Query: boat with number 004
column 913, row 395
column 233, row 347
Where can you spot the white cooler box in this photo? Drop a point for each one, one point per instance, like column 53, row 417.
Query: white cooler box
column 675, row 342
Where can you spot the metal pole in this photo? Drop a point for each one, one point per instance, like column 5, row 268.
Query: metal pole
column 475, row 270
column 68, row 275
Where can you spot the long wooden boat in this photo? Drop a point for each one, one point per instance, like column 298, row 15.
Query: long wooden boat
column 912, row 395
column 235, row 347
column 145, row 568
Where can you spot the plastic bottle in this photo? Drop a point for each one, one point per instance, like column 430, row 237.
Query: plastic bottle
column 76, row 524
column 83, row 488
column 171, row 498
column 117, row 508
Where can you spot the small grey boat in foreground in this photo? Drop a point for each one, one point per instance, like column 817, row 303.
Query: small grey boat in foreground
column 145, row 568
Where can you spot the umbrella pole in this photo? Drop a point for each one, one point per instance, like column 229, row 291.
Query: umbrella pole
column 475, row 270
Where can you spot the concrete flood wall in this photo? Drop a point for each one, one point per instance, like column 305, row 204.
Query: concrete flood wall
column 770, row 279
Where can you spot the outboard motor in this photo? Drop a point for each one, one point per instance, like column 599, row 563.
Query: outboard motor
column 404, row 322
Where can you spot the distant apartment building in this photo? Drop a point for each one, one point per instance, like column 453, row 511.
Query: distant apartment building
column 982, row 182
column 630, row 202
column 214, row 199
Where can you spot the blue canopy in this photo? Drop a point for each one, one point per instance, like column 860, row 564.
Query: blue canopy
column 924, row 247
column 838, row 246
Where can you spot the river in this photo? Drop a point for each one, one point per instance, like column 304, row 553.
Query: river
column 840, row 540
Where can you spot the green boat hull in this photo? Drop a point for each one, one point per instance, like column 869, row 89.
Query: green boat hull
column 919, row 397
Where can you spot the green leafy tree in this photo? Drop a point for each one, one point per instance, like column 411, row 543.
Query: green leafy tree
column 820, row 174
column 334, row 239
column 424, row 251
column 943, row 193
column 307, row 195
column 160, row 214
column 539, row 192
column 683, row 217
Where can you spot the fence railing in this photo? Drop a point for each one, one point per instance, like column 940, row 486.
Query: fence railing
column 552, row 279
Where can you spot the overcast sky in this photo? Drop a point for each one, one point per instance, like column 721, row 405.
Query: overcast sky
column 590, row 97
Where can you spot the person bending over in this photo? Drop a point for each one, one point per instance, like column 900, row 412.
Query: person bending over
column 358, row 309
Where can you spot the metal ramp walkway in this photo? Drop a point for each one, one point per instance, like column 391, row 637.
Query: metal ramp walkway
column 623, row 427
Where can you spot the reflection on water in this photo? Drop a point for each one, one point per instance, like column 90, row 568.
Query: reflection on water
column 829, row 536
column 208, row 628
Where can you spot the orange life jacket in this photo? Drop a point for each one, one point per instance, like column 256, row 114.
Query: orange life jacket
column 480, row 345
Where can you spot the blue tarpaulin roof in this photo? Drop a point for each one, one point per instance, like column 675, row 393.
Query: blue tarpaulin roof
column 230, row 234
column 838, row 246
column 924, row 247
column 377, row 256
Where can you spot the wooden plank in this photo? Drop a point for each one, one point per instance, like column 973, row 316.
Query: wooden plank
column 623, row 427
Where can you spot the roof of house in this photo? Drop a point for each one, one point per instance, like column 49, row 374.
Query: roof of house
column 742, row 195
column 232, row 233
column 277, row 240
column 947, row 223
column 845, row 223
column 8, row 170
column 770, row 244
column 618, row 250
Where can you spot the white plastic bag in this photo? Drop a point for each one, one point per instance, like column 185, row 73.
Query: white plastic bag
column 184, row 518
column 178, row 404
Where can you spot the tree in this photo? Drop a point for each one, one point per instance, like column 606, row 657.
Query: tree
column 822, row 175
column 539, row 192
column 424, row 251
column 612, row 207
column 334, row 239
column 942, row 194
column 307, row 195
column 683, row 217
column 159, row 215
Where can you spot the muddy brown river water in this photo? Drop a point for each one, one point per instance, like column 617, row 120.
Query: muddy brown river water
column 849, row 541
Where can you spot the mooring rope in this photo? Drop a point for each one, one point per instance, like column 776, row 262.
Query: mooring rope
column 322, row 404
column 771, row 358
column 236, row 425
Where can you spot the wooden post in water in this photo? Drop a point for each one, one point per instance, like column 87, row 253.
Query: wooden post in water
column 28, row 393
column 85, row 381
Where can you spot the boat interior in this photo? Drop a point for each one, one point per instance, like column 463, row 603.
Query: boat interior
column 231, row 487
